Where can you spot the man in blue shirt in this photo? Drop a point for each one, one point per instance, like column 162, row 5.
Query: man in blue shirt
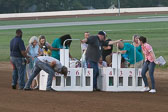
column 18, row 58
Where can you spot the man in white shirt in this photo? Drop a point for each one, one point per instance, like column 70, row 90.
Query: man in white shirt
column 84, row 45
column 49, row 65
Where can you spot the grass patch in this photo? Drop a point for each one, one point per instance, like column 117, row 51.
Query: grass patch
column 156, row 33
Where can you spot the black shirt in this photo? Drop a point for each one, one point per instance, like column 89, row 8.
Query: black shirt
column 93, row 52
column 106, row 52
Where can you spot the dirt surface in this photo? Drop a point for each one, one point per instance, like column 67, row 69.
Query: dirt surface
column 86, row 15
column 40, row 101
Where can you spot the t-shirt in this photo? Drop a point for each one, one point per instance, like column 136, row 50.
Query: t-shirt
column 93, row 52
column 84, row 46
column 57, row 44
column 139, row 48
column 146, row 48
column 107, row 52
column 45, row 49
column 48, row 59
column 16, row 46
column 33, row 51
column 130, row 52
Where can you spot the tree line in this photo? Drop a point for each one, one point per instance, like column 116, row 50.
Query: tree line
column 20, row 6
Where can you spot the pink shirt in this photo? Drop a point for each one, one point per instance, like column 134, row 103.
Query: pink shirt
column 146, row 48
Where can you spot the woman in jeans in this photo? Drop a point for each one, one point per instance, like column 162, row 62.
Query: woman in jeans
column 149, row 64
column 33, row 51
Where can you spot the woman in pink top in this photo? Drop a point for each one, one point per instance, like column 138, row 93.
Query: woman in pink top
column 149, row 64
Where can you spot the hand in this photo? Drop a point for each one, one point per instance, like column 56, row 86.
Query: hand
column 65, row 76
column 27, row 61
column 57, row 49
column 156, row 62
column 84, row 40
column 53, row 63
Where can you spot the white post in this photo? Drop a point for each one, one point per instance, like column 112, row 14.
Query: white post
column 65, row 57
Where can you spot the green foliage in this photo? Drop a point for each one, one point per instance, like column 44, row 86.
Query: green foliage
column 140, row 3
column 19, row 6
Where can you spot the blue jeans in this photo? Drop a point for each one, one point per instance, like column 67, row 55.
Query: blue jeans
column 36, row 70
column 19, row 71
column 148, row 66
column 94, row 65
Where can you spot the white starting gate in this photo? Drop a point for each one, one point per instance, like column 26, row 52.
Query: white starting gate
column 128, row 79
column 114, row 79
column 119, row 79
column 78, row 79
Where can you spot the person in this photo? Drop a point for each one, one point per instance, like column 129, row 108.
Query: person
column 18, row 58
column 149, row 64
column 109, row 60
column 128, row 49
column 49, row 65
column 107, row 50
column 33, row 51
column 136, row 43
column 84, row 48
column 58, row 44
column 45, row 47
column 84, row 45
column 93, row 53
column 102, row 63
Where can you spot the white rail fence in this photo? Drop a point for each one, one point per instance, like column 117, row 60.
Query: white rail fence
column 83, row 12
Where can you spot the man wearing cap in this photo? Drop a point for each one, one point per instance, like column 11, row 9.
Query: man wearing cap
column 93, row 53
column 18, row 58
column 49, row 65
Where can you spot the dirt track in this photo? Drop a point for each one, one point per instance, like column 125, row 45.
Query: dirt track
column 39, row 101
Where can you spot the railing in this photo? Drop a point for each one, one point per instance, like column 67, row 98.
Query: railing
column 83, row 12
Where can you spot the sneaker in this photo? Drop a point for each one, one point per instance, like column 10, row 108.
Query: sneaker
column 37, row 87
column 145, row 89
column 50, row 89
column 20, row 88
column 13, row 86
column 95, row 89
column 27, row 89
column 152, row 91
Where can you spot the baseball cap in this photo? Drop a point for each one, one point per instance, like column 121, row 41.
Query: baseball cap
column 102, row 33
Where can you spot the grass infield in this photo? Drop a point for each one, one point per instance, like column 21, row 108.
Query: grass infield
column 156, row 33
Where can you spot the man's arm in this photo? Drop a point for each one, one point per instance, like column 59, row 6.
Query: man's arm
column 56, row 49
column 123, row 51
column 84, row 40
column 90, row 40
column 113, row 42
column 106, row 47
column 24, row 53
column 153, row 56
